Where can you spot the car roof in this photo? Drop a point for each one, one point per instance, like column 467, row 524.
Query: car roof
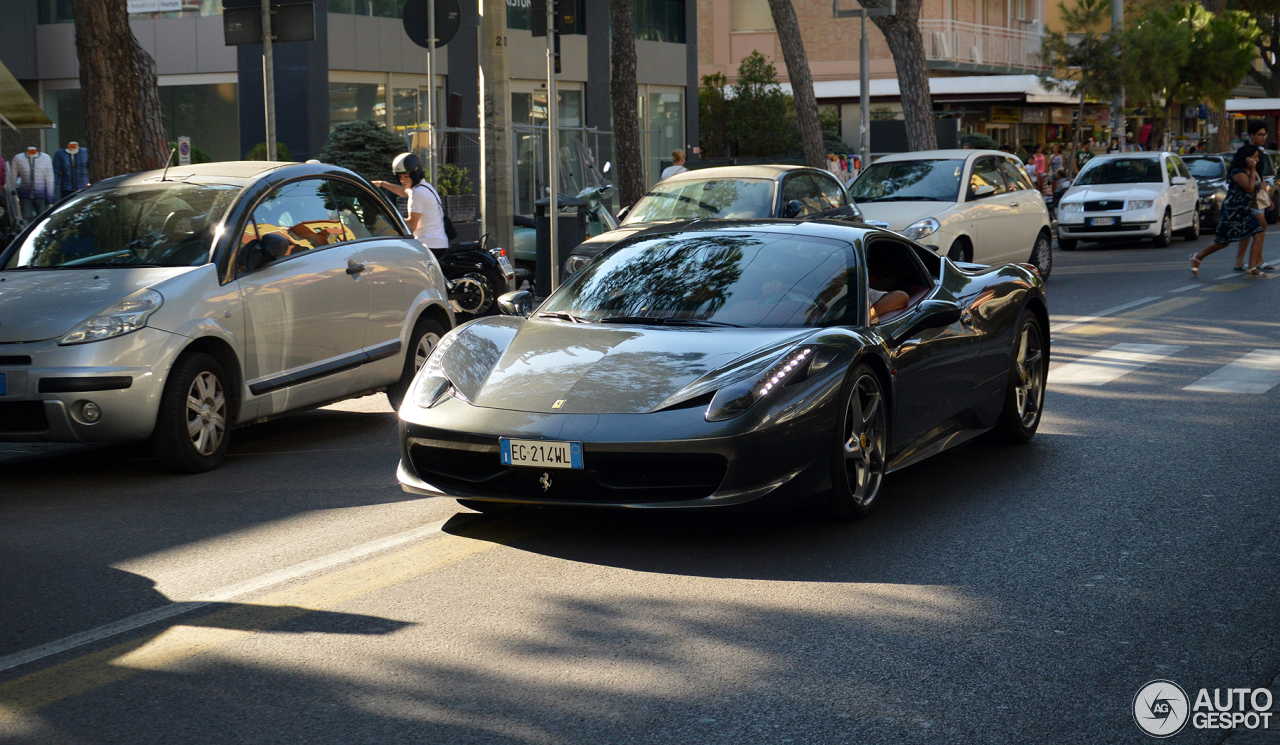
column 941, row 155
column 835, row 229
column 232, row 173
column 1113, row 156
column 767, row 171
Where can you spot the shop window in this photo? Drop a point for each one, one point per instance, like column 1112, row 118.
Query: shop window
column 520, row 14
column 660, row 20
column 374, row 8
column 752, row 15
column 352, row 101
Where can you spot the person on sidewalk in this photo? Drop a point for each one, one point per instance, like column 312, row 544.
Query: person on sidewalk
column 1237, row 222
column 426, row 211
column 676, row 167
column 71, row 169
column 33, row 172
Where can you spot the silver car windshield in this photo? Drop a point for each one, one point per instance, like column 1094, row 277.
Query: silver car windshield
column 726, row 279
column 1122, row 171
column 167, row 224
column 909, row 181
column 733, row 198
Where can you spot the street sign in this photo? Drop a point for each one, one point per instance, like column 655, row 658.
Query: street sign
column 184, row 151
column 448, row 19
column 289, row 22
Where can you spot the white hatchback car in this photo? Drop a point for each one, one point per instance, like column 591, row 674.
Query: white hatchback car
column 177, row 305
column 970, row 205
column 1130, row 196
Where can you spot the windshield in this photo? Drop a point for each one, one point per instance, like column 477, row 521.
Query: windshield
column 1204, row 167
column 909, row 180
column 163, row 224
column 735, row 279
column 1121, row 171
column 717, row 198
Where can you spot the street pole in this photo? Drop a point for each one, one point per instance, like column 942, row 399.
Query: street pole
column 864, row 97
column 431, row 90
column 553, row 145
column 1117, row 102
column 268, row 80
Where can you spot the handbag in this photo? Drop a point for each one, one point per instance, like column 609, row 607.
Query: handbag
column 450, row 232
column 1262, row 200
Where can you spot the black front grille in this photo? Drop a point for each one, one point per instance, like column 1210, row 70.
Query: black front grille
column 1105, row 228
column 608, row 478
column 22, row 416
column 1104, row 205
column 15, row 360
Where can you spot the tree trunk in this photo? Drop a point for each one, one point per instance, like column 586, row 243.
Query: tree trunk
column 902, row 32
column 625, row 94
column 1220, row 140
column 121, row 101
column 784, row 20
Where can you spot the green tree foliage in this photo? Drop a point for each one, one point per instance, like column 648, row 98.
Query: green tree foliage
column 1266, row 14
column 259, row 152
column 763, row 122
column 1088, row 60
column 364, row 147
column 713, row 116
column 452, row 179
column 978, row 141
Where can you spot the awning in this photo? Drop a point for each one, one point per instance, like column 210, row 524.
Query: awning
column 17, row 106
column 1253, row 106
column 1029, row 88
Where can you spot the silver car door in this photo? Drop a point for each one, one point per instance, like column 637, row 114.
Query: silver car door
column 988, row 210
column 305, row 309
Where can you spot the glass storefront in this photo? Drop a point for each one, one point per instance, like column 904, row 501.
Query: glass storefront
column 529, row 120
column 60, row 11
column 352, row 101
column 665, row 127
column 660, row 20
column 200, row 112
column 375, row 8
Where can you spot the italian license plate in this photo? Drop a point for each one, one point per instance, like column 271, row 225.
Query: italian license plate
column 540, row 453
column 1102, row 221
column 4, row 385
column 506, row 266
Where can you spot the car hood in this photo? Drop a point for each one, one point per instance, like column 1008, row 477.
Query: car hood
column 1208, row 185
column 531, row 364
column 39, row 304
column 901, row 214
column 1113, row 191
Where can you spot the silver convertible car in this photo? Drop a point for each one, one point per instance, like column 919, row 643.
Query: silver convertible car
column 718, row 364
column 175, row 305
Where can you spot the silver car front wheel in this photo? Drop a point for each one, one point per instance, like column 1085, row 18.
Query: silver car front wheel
column 193, row 425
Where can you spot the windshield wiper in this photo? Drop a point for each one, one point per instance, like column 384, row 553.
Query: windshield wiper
column 656, row 321
column 563, row 315
column 900, row 199
column 101, row 264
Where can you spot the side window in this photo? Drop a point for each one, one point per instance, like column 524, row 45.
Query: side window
column 1016, row 175
column 800, row 188
column 1182, row 167
column 361, row 213
column 832, row 193
column 300, row 212
column 1171, row 169
column 987, row 173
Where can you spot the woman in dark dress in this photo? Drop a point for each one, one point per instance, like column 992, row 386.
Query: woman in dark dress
column 1237, row 222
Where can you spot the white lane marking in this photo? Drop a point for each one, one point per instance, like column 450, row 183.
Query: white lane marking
column 1256, row 372
column 1225, row 276
column 224, row 594
column 1076, row 321
column 1180, row 289
column 1103, row 367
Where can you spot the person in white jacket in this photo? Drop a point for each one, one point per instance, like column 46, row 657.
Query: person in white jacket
column 32, row 172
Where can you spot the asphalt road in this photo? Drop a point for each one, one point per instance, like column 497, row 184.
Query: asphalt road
column 1000, row 594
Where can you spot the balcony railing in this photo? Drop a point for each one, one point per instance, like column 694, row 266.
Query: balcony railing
column 980, row 46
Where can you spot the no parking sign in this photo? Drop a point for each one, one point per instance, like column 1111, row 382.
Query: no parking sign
column 184, row 151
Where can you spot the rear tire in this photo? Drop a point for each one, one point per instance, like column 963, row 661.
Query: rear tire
column 426, row 335
column 860, row 449
column 193, row 425
column 1165, row 239
column 1042, row 255
column 1024, row 395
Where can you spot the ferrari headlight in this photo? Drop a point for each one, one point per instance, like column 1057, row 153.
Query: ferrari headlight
column 1140, row 204
column 124, row 317
column 574, row 263
column 921, row 229
column 1072, row 207
column 432, row 384
column 733, row 400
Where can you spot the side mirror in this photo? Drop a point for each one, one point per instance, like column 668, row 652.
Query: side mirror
column 792, row 208
column 518, row 303
column 265, row 250
column 936, row 314
column 607, row 166
column 1179, row 180
column 985, row 190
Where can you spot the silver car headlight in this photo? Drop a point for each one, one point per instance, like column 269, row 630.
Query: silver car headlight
column 921, row 229
column 735, row 399
column 1072, row 207
column 1140, row 204
column 124, row 317
column 432, row 385
column 574, row 263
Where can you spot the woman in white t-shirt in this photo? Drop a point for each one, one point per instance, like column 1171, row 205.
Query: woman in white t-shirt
column 676, row 167
column 426, row 211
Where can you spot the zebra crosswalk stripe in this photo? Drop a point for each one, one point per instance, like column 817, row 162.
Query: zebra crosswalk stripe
column 1103, row 367
column 1256, row 372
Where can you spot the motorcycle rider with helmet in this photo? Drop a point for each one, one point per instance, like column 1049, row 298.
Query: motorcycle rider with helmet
column 426, row 211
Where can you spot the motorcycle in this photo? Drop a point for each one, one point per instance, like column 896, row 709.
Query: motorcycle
column 476, row 275
column 599, row 220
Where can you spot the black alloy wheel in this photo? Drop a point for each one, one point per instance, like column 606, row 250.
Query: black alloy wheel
column 425, row 338
column 1024, row 396
column 1042, row 255
column 1165, row 239
column 861, row 447
column 193, row 426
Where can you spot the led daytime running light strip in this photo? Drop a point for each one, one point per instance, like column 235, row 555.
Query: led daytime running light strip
column 779, row 374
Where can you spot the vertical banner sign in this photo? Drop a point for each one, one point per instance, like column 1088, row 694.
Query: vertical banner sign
column 184, row 151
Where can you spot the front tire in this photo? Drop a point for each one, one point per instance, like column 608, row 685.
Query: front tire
column 1193, row 233
column 860, row 449
column 424, row 339
column 1024, row 396
column 1165, row 239
column 1042, row 255
column 193, row 425
column 959, row 251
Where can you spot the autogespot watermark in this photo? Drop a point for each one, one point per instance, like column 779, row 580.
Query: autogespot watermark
column 1162, row 709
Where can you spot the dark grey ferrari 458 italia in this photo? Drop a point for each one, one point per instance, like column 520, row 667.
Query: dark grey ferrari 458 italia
column 729, row 364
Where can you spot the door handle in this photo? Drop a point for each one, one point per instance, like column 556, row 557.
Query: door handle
column 1013, row 204
column 353, row 268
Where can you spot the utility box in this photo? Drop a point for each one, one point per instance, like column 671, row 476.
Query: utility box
column 572, row 231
